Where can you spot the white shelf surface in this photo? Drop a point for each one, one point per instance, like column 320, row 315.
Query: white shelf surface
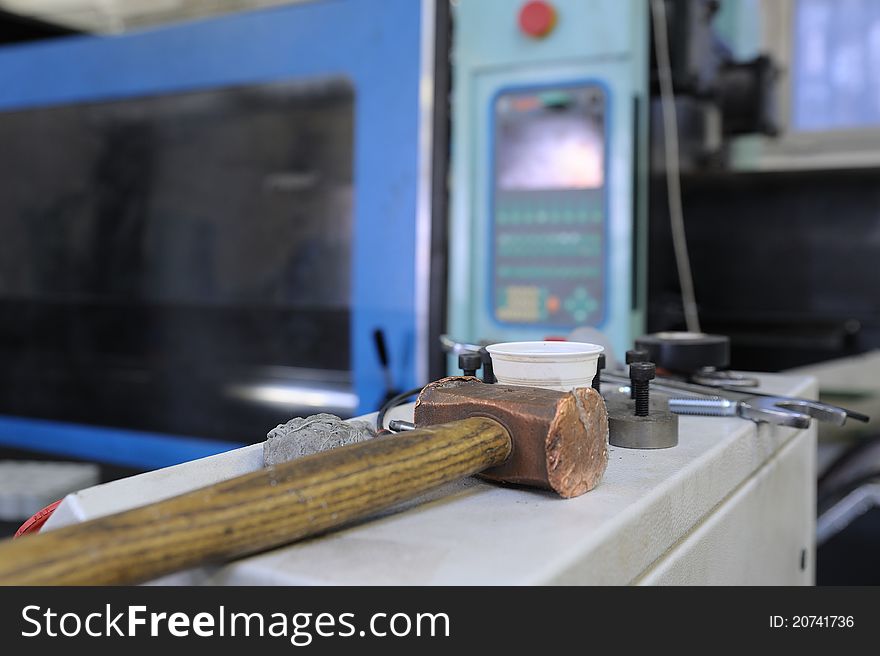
column 476, row 533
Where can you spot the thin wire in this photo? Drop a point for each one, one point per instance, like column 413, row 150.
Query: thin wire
column 673, row 181
column 393, row 403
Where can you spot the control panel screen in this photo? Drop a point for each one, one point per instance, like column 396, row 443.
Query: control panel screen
column 545, row 143
column 548, row 206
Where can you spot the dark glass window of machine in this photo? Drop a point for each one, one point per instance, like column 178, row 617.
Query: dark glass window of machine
column 158, row 252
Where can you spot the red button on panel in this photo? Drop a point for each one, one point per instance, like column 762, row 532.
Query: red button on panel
column 537, row 18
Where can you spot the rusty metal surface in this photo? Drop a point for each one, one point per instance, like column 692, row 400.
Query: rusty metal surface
column 559, row 439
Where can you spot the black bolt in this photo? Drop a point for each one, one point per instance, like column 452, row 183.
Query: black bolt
column 469, row 363
column 640, row 375
column 599, row 367
column 488, row 370
column 635, row 356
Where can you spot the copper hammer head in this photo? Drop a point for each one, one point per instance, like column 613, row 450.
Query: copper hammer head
column 558, row 439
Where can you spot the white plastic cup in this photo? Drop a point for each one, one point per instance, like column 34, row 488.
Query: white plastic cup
column 560, row 366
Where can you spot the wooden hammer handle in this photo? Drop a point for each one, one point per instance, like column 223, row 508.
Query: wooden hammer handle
column 257, row 511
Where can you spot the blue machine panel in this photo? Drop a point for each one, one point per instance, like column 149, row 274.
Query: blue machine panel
column 375, row 48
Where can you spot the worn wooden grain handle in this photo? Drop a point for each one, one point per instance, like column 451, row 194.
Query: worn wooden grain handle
column 257, row 511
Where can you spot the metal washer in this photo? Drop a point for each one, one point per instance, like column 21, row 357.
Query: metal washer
column 659, row 430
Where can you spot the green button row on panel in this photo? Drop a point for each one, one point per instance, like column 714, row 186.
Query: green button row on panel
column 558, row 216
column 548, row 272
column 559, row 244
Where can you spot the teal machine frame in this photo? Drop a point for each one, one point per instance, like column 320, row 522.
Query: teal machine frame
column 529, row 258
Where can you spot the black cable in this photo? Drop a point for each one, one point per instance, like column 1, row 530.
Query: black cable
column 847, row 457
column 382, row 354
column 393, row 402
column 828, row 498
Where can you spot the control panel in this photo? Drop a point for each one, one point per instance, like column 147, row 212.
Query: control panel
column 547, row 230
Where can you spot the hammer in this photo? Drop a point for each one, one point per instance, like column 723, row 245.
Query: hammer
column 520, row 435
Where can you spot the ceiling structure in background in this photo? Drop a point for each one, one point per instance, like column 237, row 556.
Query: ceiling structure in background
column 122, row 15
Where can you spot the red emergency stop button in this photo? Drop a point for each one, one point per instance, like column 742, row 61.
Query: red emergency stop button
column 537, row 18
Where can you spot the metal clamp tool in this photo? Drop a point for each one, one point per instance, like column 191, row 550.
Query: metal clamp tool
column 691, row 399
column 449, row 345
column 776, row 410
